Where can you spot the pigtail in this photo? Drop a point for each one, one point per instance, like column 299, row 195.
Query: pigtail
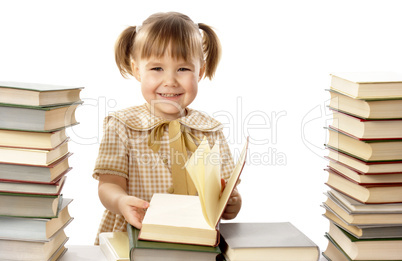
column 123, row 51
column 212, row 49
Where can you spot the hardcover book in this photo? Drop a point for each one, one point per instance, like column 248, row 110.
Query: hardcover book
column 36, row 94
column 24, row 187
column 33, row 140
column 364, row 167
column 373, row 150
column 366, row 109
column 149, row 250
column 29, row 205
column 265, row 242
column 34, row 118
column 365, row 231
column 193, row 219
column 364, row 129
column 362, row 219
column 35, row 173
column 366, row 249
column 48, row 251
column 368, row 85
column 40, row 157
column 372, row 193
column 363, row 178
column 35, row 229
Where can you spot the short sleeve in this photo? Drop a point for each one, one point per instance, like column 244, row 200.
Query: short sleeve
column 113, row 157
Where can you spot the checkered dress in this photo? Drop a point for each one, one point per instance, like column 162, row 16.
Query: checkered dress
column 124, row 152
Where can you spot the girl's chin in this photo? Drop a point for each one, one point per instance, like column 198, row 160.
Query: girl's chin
column 170, row 111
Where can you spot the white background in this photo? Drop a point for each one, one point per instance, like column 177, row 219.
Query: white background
column 277, row 57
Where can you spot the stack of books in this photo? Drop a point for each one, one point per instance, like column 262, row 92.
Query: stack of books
column 364, row 202
column 33, row 167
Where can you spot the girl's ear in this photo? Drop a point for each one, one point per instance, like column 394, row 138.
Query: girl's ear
column 202, row 71
column 136, row 71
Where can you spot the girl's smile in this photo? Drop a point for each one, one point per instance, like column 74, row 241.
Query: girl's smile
column 168, row 85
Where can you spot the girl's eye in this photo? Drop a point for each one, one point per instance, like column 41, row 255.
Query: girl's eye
column 183, row 69
column 156, row 69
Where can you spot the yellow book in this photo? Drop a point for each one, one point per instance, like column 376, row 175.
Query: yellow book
column 368, row 85
column 193, row 219
column 114, row 246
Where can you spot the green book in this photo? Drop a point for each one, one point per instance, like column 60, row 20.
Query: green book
column 368, row 151
column 29, row 205
column 335, row 253
column 35, row 229
column 37, row 94
column 149, row 250
column 36, row 118
column 365, row 249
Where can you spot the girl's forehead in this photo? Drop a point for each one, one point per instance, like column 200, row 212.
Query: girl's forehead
column 171, row 54
column 167, row 58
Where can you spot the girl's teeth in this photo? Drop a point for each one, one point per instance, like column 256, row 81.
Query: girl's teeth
column 169, row 95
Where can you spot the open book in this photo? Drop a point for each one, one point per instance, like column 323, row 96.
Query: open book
column 193, row 219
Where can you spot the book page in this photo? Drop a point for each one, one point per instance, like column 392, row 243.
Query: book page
column 196, row 169
column 175, row 211
column 212, row 184
column 231, row 184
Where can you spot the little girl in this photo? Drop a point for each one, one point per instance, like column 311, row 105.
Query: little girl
column 144, row 148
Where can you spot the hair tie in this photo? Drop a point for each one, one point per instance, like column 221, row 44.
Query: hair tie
column 137, row 28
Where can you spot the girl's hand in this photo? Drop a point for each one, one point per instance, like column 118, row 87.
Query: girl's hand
column 133, row 210
column 234, row 204
column 112, row 191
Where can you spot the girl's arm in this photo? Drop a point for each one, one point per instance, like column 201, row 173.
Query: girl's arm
column 112, row 192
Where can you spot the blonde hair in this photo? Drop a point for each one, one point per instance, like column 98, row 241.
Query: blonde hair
column 170, row 32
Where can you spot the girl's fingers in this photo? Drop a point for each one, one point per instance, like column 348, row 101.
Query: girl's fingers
column 223, row 185
column 134, row 221
column 138, row 203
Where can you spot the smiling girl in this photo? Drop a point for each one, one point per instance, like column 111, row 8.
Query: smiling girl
column 138, row 156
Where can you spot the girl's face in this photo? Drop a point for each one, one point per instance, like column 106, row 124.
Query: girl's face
column 167, row 84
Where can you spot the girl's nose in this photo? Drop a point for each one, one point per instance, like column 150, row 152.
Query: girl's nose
column 170, row 80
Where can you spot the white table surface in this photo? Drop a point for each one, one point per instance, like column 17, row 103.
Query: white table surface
column 83, row 253
column 92, row 253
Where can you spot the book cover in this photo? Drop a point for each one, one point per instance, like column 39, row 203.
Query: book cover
column 167, row 251
column 368, row 194
column 30, row 139
column 23, row 187
column 368, row 150
column 368, row 85
column 40, row 157
column 266, row 241
column 29, row 205
column 365, row 231
column 366, row 109
column 35, row 229
column 363, row 178
column 363, row 129
column 49, row 251
column 353, row 206
column 35, row 173
column 368, row 219
column 364, row 167
column 37, row 94
column 35, row 118
column 356, row 249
